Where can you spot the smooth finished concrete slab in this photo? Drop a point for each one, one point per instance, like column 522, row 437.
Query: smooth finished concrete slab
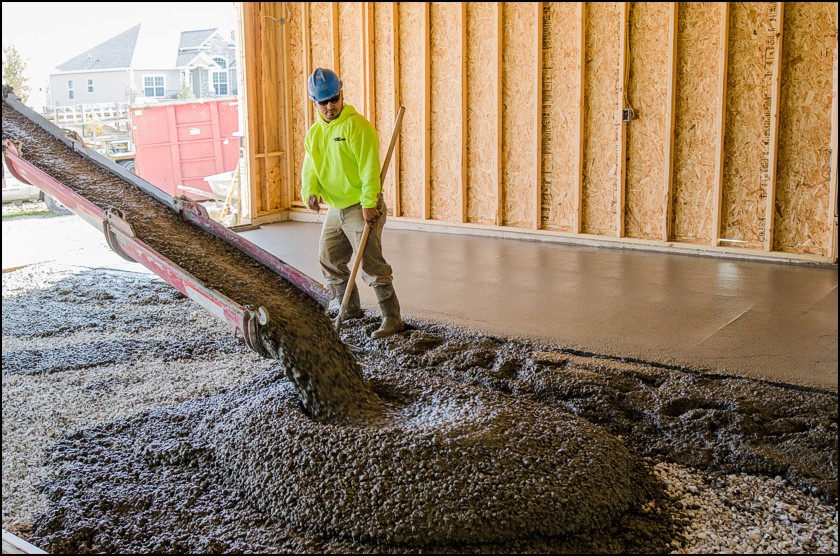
column 770, row 320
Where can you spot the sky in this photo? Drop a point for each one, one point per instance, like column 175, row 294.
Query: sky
column 47, row 34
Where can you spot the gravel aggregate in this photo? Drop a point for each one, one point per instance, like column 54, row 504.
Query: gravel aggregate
column 114, row 457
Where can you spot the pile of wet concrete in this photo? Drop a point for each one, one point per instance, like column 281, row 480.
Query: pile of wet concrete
column 442, row 464
column 477, row 436
column 459, row 466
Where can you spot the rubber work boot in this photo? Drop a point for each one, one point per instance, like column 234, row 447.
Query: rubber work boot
column 391, row 320
column 354, row 305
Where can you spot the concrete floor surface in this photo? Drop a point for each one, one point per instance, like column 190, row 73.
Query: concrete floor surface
column 770, row 320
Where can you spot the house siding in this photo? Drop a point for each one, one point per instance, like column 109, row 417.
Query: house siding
column 108, row 86
column 171, row 77
column 216, row 47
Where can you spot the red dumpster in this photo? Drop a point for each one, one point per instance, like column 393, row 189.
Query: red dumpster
column 179, row 143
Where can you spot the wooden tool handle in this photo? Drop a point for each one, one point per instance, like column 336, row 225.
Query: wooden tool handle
column 351, row 283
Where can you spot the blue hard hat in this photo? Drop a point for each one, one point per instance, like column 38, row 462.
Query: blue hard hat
column 323, row 84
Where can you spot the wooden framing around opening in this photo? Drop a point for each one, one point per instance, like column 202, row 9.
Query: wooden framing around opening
column 538, row 115
column 307, row 57
column 427, row 115
column 367, row 57
column 669, row 125
column 621, row 185
column 462, row 201
column 581, row 78
column 832, row 239
column 775, row 35
column 336, row 66
column 722, row 66
column 395, row 34
column 500, row 201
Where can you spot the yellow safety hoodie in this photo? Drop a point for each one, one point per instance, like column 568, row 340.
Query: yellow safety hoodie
column 342, row 161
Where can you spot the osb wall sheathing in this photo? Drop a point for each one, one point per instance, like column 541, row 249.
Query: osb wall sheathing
column 601, row 135
column 697, row 102
column 350, row 53
column 412, row 37
column 320, row 36
column 319, row 54
column 746, row 143
column 561, row 114
column 804, row 208
column 446, row 120
column 532, row 138
column 386, row 101
column 647, row 136
column 519, row 96
column 482, row 124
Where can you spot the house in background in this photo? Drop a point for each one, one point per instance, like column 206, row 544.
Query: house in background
column 141, row 65
column 208, row 61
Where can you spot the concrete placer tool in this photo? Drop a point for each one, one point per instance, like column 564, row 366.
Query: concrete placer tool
column 121, row 237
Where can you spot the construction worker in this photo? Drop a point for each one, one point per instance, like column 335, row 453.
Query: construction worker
column 341, row 166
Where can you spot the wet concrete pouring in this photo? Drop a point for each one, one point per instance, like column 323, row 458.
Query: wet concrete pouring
column 437, row 439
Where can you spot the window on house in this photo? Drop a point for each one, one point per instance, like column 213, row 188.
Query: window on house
column 153, row 86
column 220, row 77
column 90, row 85
column 70, row 89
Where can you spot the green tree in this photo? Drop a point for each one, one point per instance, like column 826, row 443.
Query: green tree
column 186, row 91
column 13, row 72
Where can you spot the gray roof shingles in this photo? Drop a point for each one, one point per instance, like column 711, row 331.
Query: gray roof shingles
column 113, row 53
column 194, row 39
column 118, row 51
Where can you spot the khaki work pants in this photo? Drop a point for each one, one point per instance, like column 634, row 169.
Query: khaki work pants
column 340, row 237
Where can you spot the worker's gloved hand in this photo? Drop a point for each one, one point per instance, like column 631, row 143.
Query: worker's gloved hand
column 313, row 202
column 371, row 216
